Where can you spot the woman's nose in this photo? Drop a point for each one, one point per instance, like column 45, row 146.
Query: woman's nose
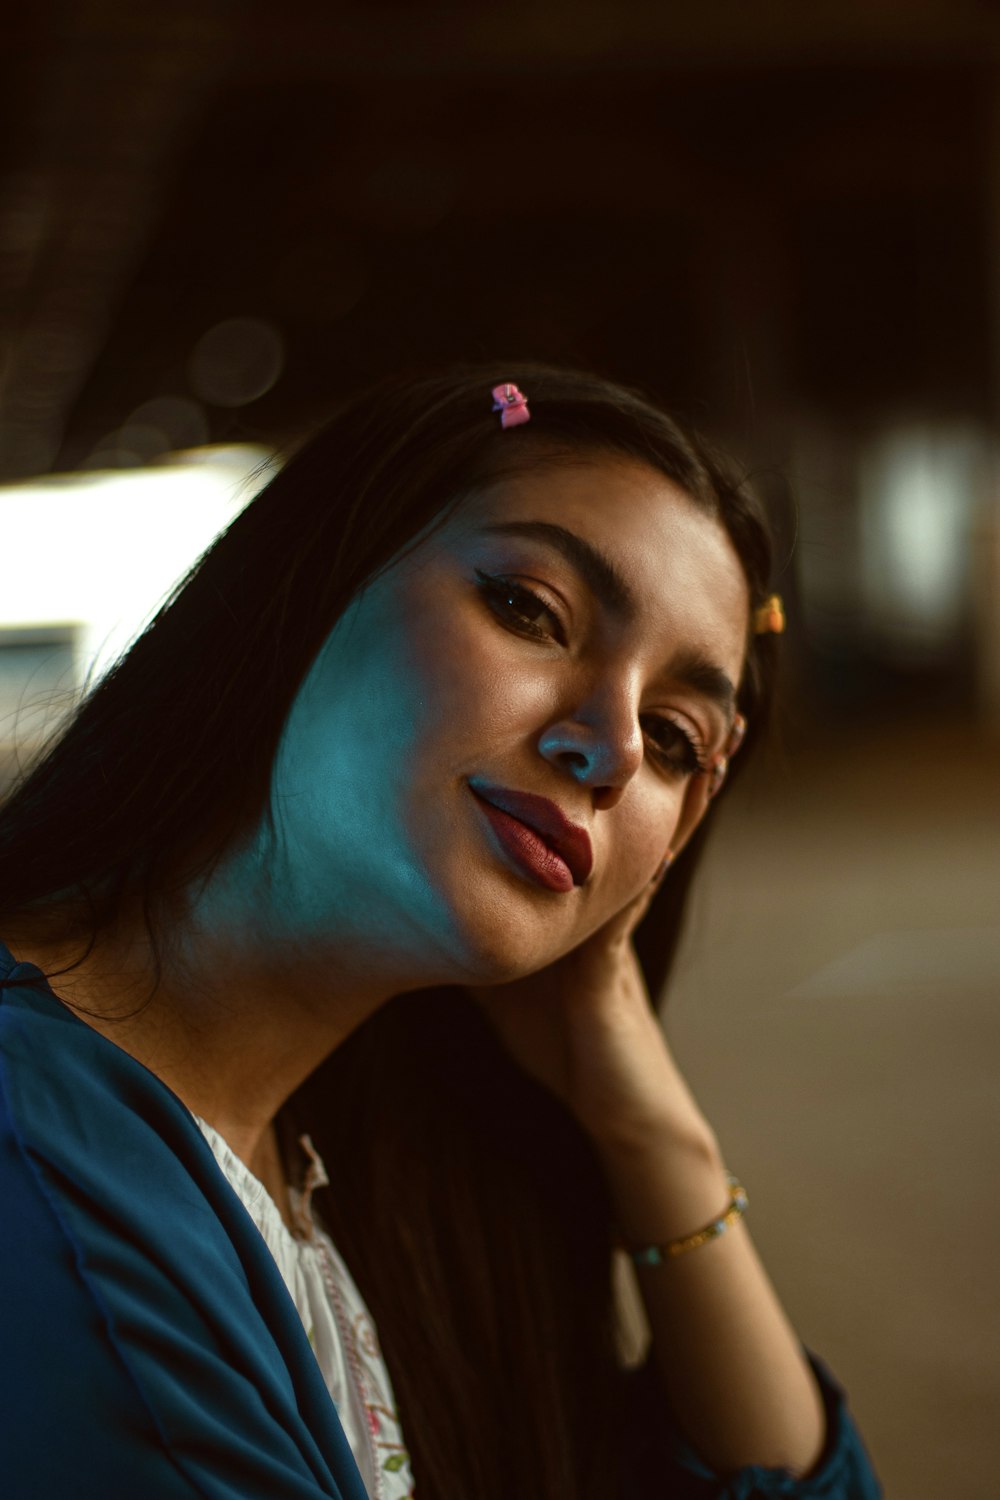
column 600, row 746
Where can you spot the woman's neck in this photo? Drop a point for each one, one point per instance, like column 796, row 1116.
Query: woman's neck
column 232, row 1050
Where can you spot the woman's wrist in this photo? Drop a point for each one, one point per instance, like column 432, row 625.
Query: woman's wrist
column 669, row 1187
column 678, row 1127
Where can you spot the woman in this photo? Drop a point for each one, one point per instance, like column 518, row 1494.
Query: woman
column 335, row 877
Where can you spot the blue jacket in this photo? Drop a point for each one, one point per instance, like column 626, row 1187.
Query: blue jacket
column 148, row 1346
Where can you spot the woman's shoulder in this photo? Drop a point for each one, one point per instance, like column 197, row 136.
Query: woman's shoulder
column 132, row 1264
column 74, row 1096
column 108, row 1145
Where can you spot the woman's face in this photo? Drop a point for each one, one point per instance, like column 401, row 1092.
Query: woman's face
column 499, row 656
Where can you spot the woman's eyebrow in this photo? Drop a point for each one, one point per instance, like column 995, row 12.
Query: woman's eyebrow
column 696, row 671
column 597, row 571
column 607, row 584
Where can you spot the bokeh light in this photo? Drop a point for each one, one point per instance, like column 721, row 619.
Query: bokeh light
column 236, row 361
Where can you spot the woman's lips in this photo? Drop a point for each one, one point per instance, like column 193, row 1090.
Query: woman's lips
column 528, row 845
column 529, row 851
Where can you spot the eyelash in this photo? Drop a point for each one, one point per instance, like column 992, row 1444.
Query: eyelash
column 503, row 592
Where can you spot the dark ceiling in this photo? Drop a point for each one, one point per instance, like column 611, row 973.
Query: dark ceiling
column 238, row 211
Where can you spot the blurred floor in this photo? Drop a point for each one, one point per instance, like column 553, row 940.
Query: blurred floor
column 836, row 1007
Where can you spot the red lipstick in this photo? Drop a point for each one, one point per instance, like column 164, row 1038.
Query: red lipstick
column 538, row 835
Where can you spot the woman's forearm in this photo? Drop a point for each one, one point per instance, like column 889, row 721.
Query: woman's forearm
column 733, row 1370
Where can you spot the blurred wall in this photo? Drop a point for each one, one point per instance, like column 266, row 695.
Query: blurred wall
column 214, row 221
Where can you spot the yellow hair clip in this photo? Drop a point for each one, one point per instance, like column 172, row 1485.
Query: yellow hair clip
column 770, row 618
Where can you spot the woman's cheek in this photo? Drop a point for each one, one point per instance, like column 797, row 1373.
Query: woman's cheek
column 434, row 670
column 455, row 656
column 692, row 809
column 636, row 850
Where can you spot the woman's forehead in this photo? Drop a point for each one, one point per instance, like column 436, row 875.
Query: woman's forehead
column 561, row 479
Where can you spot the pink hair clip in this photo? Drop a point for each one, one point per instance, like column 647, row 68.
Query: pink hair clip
column 511, row 404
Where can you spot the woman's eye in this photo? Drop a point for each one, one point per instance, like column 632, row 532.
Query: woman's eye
column 519, row 605
column 676, row 748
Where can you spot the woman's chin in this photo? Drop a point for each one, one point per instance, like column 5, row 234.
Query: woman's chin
column 502, row 955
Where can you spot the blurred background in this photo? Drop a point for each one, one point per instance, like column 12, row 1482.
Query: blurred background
column 783, row 221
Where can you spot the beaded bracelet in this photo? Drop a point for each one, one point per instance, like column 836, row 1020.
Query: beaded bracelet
column 655, row 1255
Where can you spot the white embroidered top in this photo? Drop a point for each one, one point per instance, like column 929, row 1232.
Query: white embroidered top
column 337, row 1322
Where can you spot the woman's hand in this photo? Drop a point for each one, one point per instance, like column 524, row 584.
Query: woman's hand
column 585, row 1028
column 734, row 1373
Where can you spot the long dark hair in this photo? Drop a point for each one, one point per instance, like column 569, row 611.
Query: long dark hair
column 466, row 1201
